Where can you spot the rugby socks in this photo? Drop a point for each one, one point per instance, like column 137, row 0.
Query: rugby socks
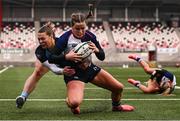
column 114, row 103
column 134, row 82
column 135, row 57
column 138, row 84
column 25, row 94
column 138, row 59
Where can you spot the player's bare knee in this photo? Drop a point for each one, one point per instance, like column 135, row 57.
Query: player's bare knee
column 121, row 86
column 74, row 103
column 118, row 89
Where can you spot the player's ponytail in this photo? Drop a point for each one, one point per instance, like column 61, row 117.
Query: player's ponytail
column 50, row 25
column 81, row 17
column 90, row 13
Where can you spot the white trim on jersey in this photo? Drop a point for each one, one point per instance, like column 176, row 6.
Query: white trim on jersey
column 54, row 68
column 174, row 81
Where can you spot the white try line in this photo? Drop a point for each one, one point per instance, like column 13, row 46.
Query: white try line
column 98, row 99
column 177, row 87
column 97, row 88
column 1, row 71
column 89, row 120
column 128, row 88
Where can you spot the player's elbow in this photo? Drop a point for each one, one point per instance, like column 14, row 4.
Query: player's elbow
column 102, row 57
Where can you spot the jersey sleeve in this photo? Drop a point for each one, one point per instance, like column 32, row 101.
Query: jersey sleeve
column 54, row 68
column 157, row 73
column 100, row 55
column 60, row 46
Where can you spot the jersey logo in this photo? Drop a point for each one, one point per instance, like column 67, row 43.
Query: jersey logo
column 38, row 55
column 164, row 79
column 76, row 77
column 95, row 68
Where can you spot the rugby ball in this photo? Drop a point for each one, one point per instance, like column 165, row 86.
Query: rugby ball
column 83, row 50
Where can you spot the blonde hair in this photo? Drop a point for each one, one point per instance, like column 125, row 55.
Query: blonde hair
column 77, row 18
column 165, row 88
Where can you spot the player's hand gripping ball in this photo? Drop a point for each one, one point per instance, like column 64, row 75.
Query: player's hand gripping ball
column 83, row 50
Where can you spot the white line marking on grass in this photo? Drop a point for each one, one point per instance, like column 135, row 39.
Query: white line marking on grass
column 128, row 88
column 177, row 87
column 98, row 99
column 96, row 88
column 1, row 71
column 89, row 120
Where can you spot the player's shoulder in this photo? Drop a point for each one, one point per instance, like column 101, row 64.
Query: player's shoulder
column 161, row 70
column 39, row 50
column 40, row 54
column 66, row 35
column 90, row 34
column 62, row 40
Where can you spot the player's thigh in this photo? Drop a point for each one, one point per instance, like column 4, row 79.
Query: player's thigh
column 106, row 80
column 75, row 91
column 152, row 85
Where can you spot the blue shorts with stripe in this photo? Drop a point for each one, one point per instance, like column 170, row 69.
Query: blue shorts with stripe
column 85, row 76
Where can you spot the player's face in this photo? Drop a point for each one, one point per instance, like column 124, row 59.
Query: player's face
column 78, row 29
column 45, row 40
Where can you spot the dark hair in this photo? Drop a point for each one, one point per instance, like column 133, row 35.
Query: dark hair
column 48, row 28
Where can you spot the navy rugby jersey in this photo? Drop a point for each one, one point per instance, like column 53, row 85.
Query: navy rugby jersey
column 161, row 75
column 67, row 41
column 43, row 54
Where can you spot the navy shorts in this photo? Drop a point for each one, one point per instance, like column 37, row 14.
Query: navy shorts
column 85, row 76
